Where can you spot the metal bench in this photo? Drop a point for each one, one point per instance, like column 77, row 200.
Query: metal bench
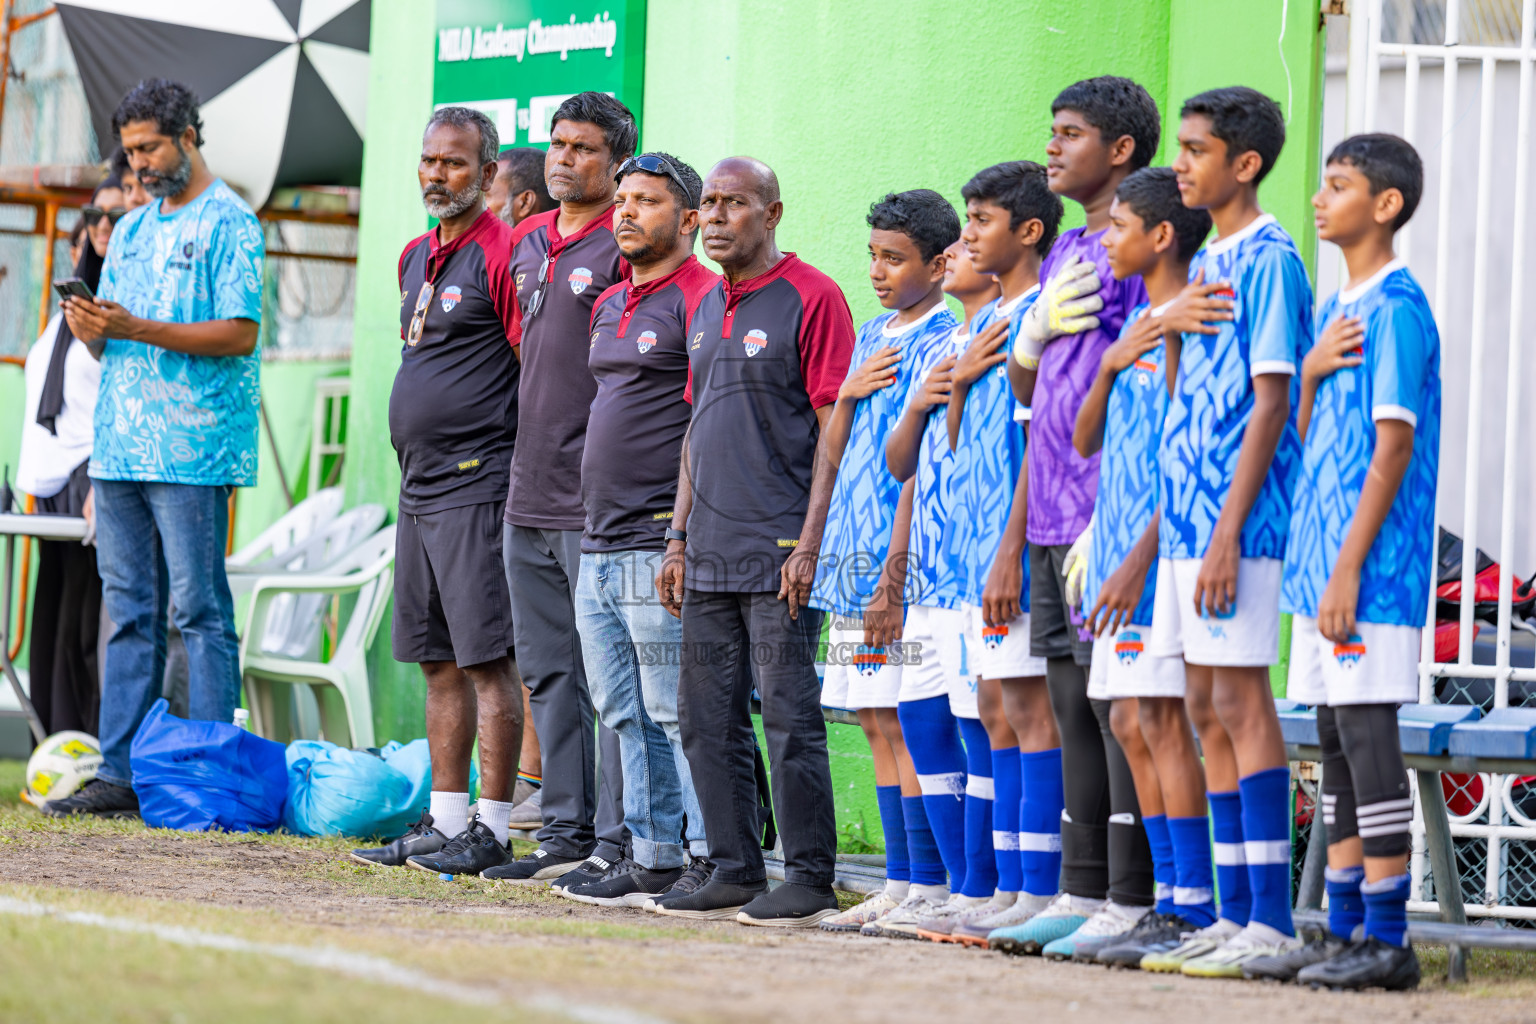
column 1435, row 738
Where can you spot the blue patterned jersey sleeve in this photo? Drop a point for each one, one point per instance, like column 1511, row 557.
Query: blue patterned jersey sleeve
column 1400, row 363
column 1277, row 302
column 236, row 251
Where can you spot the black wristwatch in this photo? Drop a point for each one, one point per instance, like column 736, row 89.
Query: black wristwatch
column 671, row 534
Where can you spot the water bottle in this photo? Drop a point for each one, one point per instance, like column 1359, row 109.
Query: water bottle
column 242, row 718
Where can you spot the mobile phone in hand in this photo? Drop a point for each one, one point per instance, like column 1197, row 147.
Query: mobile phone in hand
column 73, row 287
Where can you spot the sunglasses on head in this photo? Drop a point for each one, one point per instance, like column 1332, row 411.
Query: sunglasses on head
column 93, row 214
column 652, row 164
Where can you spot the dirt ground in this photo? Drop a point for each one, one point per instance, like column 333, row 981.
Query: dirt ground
column 521, row 943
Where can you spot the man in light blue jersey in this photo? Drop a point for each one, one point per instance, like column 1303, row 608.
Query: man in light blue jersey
column 176, row 327
column 1357, row 564
column 1152, row 235
column 1235, row 339
column 860, row 578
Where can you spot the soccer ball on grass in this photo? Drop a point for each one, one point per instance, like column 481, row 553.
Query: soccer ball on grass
column 60, row 765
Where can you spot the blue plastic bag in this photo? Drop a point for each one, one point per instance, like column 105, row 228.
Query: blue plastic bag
column 336, row 791
column 197, row 776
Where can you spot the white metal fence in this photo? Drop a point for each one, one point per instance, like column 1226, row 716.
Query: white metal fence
column 1455, row 78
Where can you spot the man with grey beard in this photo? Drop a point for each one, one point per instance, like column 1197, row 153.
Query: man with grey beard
column 453, row 419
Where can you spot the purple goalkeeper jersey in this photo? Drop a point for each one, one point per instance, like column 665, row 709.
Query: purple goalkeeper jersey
column 1063, row 484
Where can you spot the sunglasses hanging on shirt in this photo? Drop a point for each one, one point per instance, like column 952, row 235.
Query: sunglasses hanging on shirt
column 423, row 300
column 536, row 300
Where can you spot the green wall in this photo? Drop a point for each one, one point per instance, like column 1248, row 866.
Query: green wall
column 846, row 99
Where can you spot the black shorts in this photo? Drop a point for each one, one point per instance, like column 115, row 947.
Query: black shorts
column 1053, row 633
column 451, row 601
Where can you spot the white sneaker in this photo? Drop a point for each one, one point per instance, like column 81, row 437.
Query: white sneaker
column 1112, row 919
column 901, row 923
column 874, row 906
column 1196, row 944
column 935, row 922
column 1256, row 940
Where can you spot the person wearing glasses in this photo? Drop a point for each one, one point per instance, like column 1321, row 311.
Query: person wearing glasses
column 175, row 324
column 56, row 436
column 639, row 356
column 561, row 262
column 453, row 420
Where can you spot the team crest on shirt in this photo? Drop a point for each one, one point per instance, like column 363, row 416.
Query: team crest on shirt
column 1145, row 368
column 993, row 636
column 580, row 278
column 755, row 341
column 1349, row 653
column 1128, row 647
column 868, row 660
column 451, row 297
column 646, row 341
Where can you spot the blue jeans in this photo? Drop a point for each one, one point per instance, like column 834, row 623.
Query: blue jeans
column 630, row 645
column 154, row 542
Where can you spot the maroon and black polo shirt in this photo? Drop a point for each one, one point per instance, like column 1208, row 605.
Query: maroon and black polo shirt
column 453, row 408
column 639, row 357
column 763, row 356
column 557, row 387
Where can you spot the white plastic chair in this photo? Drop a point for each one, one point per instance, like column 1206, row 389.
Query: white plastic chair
column 341, row 682
column 296, row 525
column 291, row 624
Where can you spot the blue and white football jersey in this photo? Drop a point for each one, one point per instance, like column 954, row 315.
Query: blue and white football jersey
column 989, row 457
column 857, row 535
column 932, row 492
column 1128, row 475
column 1399, row 380
column 1270, row 332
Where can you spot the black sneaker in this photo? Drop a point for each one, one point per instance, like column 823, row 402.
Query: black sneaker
column 1155, row 933
column 99, row 798
column 420, row 838
column 715, row 901
column 791, row 905
column 1368, row 964
column 626, row 884
column 1286, row 966
column 692, row 880
column 536, row 868
column 594, row 869
column 468, row 853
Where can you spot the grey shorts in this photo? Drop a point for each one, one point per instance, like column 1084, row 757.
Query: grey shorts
column 1055, row 630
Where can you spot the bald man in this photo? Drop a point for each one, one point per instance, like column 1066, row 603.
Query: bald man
column 768, row 349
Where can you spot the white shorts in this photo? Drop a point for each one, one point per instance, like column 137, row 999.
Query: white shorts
column 1002, row 651
column 1123, row 667
column 1247, row 636
column 1380, row 665
column 857, row 676
column 937, row 662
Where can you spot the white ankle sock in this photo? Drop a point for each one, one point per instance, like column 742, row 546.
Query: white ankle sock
column 496, row 814
column 450, row 812
column 897, row 891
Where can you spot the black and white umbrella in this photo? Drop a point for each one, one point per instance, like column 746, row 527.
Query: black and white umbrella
column 283, row 83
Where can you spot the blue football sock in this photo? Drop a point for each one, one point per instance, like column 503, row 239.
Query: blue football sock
column 1040, row 821
column 933, row 740
column 926, row 866
column 1266, row 798
column 1008, row 787
column 898, row 868
column 980, row 862
column 1164, row 875
column 1386, row 909
column 1346, row 907
column 1231, row 862
column 1193, row 899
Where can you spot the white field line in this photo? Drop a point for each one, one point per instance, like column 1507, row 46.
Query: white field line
column 362, row 966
